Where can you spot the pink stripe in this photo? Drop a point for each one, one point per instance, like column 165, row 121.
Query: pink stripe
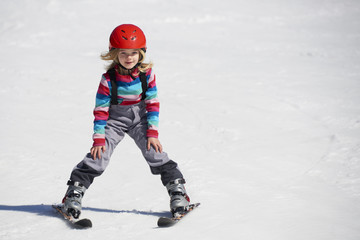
column 152, row 77
column 104, row 82
column 152, row 127
column 130, row 97
column 154, row 100
column 97, row 118
column 103, row 109
column 98, row 136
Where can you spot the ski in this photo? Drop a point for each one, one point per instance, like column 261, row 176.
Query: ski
column 171, row 221
column 75, row 223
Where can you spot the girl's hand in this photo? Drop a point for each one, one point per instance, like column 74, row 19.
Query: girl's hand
column 96, row 151
column 155, row 143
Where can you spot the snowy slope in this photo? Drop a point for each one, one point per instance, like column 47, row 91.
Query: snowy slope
column 259, row 106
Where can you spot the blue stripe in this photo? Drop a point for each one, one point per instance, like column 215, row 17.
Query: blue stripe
column 135, row 89
column 102, row 100
column 100, row 122
column 153, row 114
column 99, row 126
column 151, row 93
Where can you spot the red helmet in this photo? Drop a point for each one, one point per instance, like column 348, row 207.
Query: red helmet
column 127, row 36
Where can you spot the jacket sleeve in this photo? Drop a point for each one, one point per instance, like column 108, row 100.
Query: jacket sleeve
column 152, row 106
column 101, row 111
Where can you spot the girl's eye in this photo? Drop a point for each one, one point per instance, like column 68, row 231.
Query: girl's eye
column 131, row 54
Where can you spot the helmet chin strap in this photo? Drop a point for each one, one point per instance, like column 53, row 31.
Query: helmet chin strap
column 129, row 70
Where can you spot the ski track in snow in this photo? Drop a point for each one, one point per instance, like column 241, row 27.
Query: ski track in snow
column 259, row 106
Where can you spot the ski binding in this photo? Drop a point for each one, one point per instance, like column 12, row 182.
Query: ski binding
column 75, row 223
column 171, row 221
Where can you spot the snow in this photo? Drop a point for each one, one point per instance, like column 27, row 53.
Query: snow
column 259, row 106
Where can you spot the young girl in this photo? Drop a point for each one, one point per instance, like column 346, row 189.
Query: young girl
column 122, row 107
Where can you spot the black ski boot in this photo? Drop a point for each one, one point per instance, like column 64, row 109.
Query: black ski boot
column 72, row 199
column 179, row 200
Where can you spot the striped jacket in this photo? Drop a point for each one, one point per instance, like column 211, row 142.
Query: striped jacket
column 129, row 92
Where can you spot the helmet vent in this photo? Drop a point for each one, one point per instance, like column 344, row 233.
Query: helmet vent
column 133, row 38
column 124, row 38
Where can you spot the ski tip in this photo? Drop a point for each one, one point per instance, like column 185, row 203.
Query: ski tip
column 83, row 224
column 166, row 222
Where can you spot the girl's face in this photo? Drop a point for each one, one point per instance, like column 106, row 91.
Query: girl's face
column 128, row 58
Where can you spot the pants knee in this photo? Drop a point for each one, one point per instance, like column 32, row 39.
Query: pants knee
column 168, row 171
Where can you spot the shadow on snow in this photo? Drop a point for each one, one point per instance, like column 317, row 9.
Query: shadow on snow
column 47, row 210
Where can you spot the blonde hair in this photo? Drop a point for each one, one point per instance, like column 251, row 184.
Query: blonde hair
column 112, row 55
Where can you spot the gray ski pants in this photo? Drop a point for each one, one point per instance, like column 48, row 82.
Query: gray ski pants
column 131, row 120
